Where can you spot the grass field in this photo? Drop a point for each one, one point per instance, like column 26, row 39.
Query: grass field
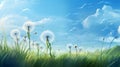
column 20, row 57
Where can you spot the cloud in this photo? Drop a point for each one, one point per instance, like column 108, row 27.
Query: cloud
column 73, row 29
column 2, row 3
column 119, row 29
column 103, row 2
column 25, row 9
column 83, row 5
column 13, row 6
column 43, row 21
column 104, row 20
column 11, row 21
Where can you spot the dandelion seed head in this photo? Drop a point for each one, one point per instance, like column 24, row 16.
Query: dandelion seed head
column 75, row 46
column 69, row 46
column 80, row 48
column 37, row 44
column 47, row 34
column 15, row 33
column 35, row 33
column 28, row 26
column 24, row 38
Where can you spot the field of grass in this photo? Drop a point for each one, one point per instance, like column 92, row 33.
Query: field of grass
column 20, row 57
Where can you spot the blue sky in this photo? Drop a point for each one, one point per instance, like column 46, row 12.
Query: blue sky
column 82, row 22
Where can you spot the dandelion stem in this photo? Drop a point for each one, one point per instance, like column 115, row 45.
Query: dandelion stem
column 28, row 34
column 76, row 51
column 48, row 44
column 111, row 43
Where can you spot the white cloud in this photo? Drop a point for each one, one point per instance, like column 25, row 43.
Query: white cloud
column 103, row 2
column 11, row 21
column 102, row 16
column 2, row 3
column 16, row 21
column 119, row 29
column 43, row 21
column 83, row 5
column 25, row 9
column 72, row 29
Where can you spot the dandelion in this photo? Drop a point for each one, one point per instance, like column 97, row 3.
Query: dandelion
column 25, row 39
column 35, row 33
column 15, row 34
column 38, row 46
column 41, row 47
column 80, row 49
column 69, row 46
column 28, row 27
column 76, row 47
column 47, row 37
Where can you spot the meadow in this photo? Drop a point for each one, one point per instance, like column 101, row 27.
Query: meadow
column 18, row 55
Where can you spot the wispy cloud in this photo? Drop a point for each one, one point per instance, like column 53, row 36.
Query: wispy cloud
column 72, row 29
column 11, row 21
column 25, row 9
column 43, row 21
column 83, row 5
column 119, row 29
column 2, row 3
column 104, row 2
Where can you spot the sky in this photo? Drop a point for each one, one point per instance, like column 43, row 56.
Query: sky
column 81, row 22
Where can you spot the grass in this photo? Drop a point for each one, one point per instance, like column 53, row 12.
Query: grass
column 21, row 57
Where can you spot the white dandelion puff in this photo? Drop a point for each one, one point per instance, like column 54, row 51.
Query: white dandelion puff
column 69, row 46
column 47, row 35
column 75, row 46
column 36, row 44
column 28, row 26
column 15, row 33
